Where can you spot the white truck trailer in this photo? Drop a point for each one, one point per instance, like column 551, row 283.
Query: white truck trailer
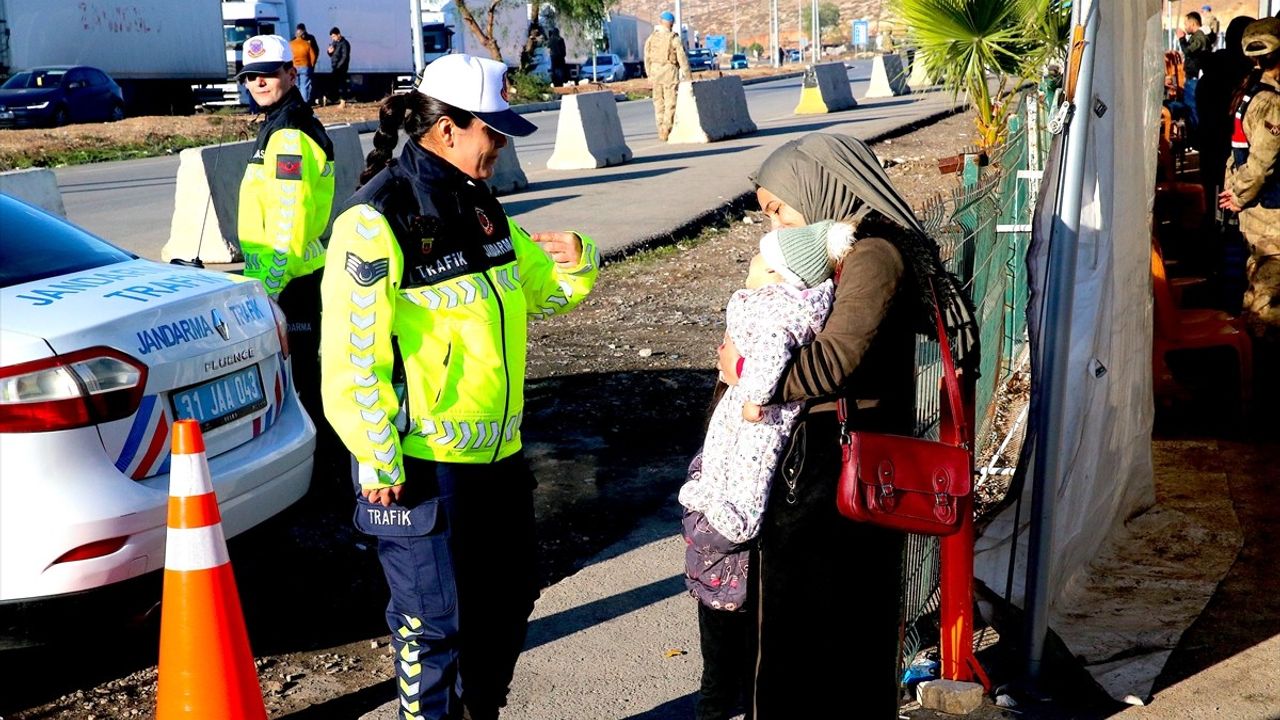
column 378, row 30
column 154, row 49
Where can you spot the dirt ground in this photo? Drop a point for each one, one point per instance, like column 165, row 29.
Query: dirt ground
column 159, row 134
column 616, row 396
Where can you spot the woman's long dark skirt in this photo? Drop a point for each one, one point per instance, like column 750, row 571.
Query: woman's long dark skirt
column 829, row 596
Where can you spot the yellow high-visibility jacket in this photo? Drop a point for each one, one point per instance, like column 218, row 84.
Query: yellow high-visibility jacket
column 428, row 277
column 286, row 196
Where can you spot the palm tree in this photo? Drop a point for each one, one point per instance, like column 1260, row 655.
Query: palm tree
column 963, row 42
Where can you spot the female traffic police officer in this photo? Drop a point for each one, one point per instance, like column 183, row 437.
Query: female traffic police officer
column 426, row 296
column 286, row 196
column 1253, row 180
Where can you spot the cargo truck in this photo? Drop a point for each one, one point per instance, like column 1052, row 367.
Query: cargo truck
column 154, row 49
column 381, row 41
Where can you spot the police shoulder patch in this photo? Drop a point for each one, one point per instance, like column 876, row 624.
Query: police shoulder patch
column 288, row 167
column 366, row 273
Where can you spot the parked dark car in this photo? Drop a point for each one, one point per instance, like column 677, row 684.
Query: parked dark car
column 738, row 62
column 702, row 59
column 57, row 95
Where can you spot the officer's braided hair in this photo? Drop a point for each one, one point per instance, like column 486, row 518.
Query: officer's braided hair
column 416, row 114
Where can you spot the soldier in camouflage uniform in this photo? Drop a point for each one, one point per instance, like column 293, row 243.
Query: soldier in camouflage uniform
column 1253, row 178
column 666, row 63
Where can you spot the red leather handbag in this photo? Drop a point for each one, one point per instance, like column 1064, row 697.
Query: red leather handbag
column 906, row 483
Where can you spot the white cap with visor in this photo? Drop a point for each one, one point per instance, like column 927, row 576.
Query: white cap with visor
column 477, row 85
column 263, row 55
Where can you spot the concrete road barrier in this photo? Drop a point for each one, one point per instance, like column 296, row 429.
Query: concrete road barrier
column 37, row 186
column 919, row 78
column 589, row 134
column 888, row 79
column 710, row 110
column 508, row 176
column 825, row 89
column 207, row 196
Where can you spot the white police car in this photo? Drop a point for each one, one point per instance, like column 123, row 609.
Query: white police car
column 100, row 352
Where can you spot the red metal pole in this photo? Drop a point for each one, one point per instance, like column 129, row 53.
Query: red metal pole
column 956, row 572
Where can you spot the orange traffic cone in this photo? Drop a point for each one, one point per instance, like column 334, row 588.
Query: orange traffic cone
column 206, row 667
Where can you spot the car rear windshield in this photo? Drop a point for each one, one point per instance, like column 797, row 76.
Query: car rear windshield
column 35, row 245
column 34, row 79
column 739, row 57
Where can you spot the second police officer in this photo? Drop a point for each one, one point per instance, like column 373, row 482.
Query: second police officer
column 286, row 198
column 426, row 294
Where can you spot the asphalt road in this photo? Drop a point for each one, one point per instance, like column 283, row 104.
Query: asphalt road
column 131, row 202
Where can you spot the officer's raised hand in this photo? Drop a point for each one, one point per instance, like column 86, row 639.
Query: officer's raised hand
column 563, row 247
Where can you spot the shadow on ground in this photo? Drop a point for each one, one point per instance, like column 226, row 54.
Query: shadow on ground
column 608, row 450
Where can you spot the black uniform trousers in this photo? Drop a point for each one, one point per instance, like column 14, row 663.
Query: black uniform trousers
column 460, row 557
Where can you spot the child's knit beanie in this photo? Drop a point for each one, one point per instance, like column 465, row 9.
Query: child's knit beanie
column 806, row 256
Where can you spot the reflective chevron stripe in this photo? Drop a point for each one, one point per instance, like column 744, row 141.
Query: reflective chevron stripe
column 450, row 294
column 464, row 435
column 448, row 435
column 363, row 322
column 373, row 417
column 512, row 425
column 409, row 686
column 362, row 300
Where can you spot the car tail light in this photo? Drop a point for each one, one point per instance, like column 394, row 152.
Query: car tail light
column 82, row 388
column 282, row 328
column 95, row 549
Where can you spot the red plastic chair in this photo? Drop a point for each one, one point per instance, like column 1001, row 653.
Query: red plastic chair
column 1177, row 329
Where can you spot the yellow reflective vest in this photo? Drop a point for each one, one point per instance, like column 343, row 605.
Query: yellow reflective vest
column 286, row 196
column 426, row 296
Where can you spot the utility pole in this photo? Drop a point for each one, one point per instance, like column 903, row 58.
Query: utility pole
column 800, row 27
column 415, row 28
column 774, row 40
column 680, row 25
column 816, row 30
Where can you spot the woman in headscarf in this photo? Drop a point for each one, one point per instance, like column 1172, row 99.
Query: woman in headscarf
column 826, row 627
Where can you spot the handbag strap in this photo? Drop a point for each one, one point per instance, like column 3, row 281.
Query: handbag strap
column 951, row 381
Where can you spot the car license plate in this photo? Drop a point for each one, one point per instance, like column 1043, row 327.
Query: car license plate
column 222, row 400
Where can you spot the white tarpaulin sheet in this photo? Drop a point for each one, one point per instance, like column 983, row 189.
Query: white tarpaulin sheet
column 1107, row 450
